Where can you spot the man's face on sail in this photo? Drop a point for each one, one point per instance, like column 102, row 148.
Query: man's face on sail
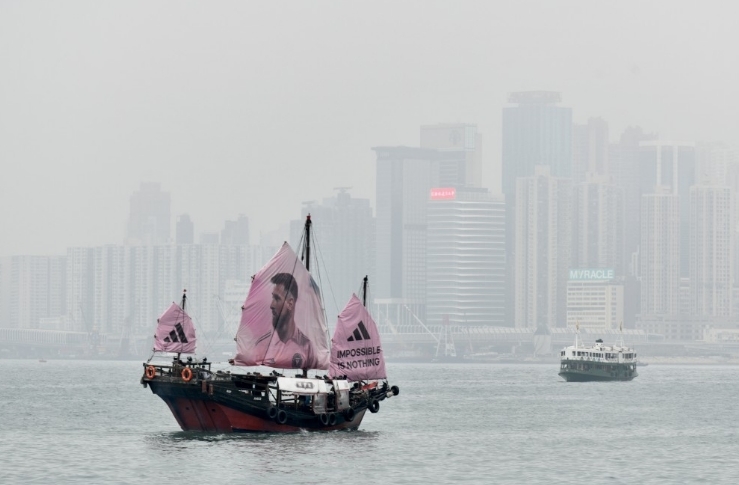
column 282, row 306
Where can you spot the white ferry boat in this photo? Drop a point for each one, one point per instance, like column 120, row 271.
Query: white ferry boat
column 599, row 362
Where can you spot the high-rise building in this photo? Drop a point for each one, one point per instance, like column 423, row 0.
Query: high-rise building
column 80, row 289
column 542, row 259
column 57, row 286
column 536, row 131
column 5, row 283
column 589, row 149
column 404, row 179
column 235, row 264
column 344, row 244
column 236, row 233
column 594, row 299
column 717, row 164
column 149, row 219
column 712, row 221
column 660, row 254
column 466, row 257
column 624, row 170
column 109, row 295
column 198, row 271
column 35, row 290
column 598, row 229
column 462, row 147
column 671, row 165
column 184, row 230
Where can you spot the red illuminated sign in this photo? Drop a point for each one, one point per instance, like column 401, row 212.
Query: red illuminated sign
column 449, row 193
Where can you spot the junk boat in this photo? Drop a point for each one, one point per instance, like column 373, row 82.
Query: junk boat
column 283, row 326
column 599, row 362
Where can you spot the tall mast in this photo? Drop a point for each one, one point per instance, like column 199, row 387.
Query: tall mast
column 306, row 258
column 364, row 291
column 306, row 248
column 184, row 301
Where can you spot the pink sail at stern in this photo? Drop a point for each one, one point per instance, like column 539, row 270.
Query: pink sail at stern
column 175, row 331
column 356, row 350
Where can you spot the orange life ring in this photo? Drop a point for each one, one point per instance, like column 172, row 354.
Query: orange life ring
column 150, row 372
column 187, row 374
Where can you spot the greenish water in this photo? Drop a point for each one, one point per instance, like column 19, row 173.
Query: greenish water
column 92, row 422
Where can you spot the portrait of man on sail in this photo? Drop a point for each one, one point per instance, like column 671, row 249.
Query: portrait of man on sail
column 286, row 337
column 282, row 322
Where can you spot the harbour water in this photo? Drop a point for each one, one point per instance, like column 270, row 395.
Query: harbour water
column 92, row 422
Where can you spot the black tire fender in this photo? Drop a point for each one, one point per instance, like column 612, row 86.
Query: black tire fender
column 281, row 417
column 272, row 412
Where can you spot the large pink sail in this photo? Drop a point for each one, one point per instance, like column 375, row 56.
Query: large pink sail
column 282, row 321
column 175, row 331
column 356, row 351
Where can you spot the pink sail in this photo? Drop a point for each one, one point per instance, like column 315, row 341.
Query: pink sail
column 356, row 351
column 282, row 321
column 175, row 331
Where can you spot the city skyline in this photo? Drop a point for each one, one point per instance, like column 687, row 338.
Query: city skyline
column 157, row 243
column 220, row 124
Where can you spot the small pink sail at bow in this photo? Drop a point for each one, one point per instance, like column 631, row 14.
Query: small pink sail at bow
column 356, row 351
column 175, row 331
column 282, row 320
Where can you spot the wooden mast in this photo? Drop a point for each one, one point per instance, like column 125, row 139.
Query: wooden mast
column 306, row 259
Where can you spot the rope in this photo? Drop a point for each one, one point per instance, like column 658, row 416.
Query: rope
column 320, row 280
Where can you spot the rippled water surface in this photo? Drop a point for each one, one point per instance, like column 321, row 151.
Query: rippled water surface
column 92, row 422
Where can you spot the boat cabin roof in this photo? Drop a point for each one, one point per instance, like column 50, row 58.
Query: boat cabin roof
column 298, row 385
column 599, row 347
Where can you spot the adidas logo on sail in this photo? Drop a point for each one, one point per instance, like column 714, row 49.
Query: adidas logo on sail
column 360, row 333
column 176, row 335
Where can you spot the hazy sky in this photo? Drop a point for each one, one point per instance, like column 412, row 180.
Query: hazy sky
column 254, row 107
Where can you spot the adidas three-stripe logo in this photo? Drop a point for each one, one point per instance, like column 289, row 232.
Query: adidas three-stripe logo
column 176, row 335
column 360, row 333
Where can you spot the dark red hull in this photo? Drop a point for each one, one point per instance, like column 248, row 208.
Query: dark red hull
column 224, row 406
column 195, row 415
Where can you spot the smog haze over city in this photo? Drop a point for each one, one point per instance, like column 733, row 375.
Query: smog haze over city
column 523, row 264
column 255, row 107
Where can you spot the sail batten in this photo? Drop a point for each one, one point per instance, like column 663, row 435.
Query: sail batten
column 282, row 321
column 175, row 331
column 356, row 350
